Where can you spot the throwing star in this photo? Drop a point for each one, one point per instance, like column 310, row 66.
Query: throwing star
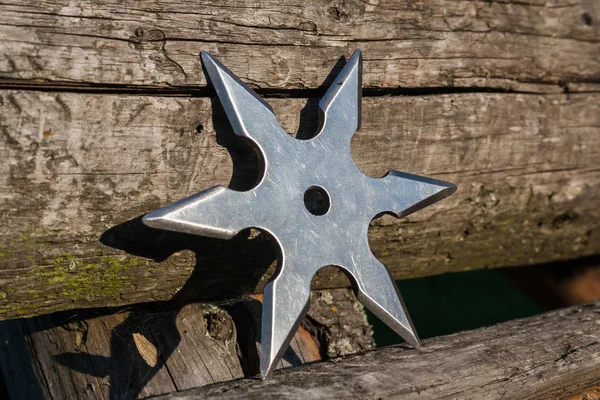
column 312, row 199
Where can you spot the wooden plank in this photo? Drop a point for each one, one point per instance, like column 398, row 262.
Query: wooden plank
column 207, row 343
column 155, row 349
column 83, row 168
column 53, row 344
column 124, row 355
column 551, row 356
column 530, row 45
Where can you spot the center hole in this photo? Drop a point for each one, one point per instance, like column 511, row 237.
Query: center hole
column 316, row 200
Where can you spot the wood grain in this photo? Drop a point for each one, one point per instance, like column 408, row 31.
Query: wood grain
column 303, row 348
column 555, row 355
column 84, row 356
column 529, row 45
column 82, row 168
column 148, row 350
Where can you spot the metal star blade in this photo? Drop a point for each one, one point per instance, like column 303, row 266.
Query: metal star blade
column 310, row 234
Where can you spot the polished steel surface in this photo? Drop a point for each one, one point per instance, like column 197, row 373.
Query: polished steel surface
column 313, row 201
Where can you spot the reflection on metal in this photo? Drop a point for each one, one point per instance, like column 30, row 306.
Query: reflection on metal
column 313, row 201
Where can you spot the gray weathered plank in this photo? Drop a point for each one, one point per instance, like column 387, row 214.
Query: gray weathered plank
column 546, row 357
column 275, row 44
column 80, row 167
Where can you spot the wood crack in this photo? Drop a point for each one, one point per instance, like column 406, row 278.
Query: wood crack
column 203, row 91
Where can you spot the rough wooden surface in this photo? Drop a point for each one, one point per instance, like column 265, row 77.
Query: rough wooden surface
column 531, row 45
column 247, row 316
column 337, row 320
column 156, row 349
column 592, row 393
column 124, row 355
column 82, row 168
column 555, row 355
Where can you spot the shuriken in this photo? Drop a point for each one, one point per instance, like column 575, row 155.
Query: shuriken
column 332, row 231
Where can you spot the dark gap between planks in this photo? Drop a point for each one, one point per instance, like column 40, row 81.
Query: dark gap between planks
column 268, row 93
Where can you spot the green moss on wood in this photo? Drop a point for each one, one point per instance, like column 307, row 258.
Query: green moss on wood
column 4, row 253
column 33, row 233
column 77, row 280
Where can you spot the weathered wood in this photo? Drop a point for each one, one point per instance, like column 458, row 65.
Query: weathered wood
column 126, row 355
column 207, row 350
column 272, row 44
column 81, row 168
column 337, row 320
column 145, row 350
column 551, row 356
column 592, row 393
column 247, row 316
column 336, row 324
